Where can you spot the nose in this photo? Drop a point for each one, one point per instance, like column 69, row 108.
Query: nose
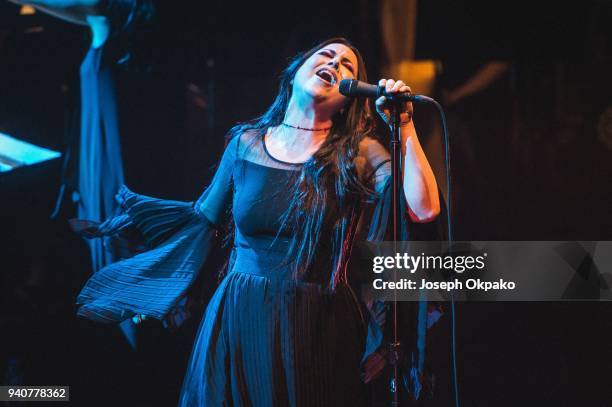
column 334, row 62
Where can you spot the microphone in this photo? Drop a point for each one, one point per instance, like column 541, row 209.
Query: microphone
column 354, row 88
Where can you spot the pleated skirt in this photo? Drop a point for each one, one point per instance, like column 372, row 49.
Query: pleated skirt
column 269, row 340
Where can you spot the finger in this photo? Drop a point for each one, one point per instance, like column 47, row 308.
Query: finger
column 397, row 86
column 380, row 103
column 382, row 82
column 405, row 89
column 389, row 85
column 407, row 109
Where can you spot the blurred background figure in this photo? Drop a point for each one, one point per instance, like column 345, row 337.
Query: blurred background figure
column 96, row 153
column 100, row 167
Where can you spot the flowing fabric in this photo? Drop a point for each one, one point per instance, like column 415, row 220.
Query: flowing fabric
column 151, row 282
column 100, row 173
column 100, row 168
column 267, row 337
column 100, row 165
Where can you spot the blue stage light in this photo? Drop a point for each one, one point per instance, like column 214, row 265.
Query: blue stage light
column 15, row 153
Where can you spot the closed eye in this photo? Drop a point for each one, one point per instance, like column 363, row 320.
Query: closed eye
column 349, row 66
column 345, row 61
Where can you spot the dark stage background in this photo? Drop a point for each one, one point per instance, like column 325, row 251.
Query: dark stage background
column 531, row 162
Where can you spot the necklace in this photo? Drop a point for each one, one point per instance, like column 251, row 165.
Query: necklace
column 304, row 128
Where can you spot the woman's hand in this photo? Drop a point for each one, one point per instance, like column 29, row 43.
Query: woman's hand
column 383, row 107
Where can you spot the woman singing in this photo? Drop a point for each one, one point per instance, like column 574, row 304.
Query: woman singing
column 283, row 327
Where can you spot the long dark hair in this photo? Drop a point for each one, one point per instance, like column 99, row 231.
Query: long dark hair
column 329, row 176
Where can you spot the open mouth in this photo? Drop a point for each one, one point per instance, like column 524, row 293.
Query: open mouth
column 327, row 75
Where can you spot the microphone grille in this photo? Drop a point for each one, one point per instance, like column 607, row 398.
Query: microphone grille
column 345, row 86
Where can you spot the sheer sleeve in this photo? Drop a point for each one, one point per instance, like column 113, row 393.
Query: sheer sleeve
column 375, row 164
column 174, row 240
column 215, row 200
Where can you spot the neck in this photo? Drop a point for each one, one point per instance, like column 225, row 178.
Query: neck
column 306, row 115
column 307, row 118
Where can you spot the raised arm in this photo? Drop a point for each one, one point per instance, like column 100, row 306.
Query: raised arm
column 419, row 182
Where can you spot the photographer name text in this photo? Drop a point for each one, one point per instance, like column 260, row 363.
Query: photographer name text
column 453, row 285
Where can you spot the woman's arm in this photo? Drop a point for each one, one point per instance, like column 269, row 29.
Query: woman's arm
column 216, row 199
column 420, row 187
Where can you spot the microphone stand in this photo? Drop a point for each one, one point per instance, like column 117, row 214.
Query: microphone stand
column 396, row 175
column 396, row 166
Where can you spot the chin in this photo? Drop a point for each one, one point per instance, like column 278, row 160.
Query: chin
column 318, row 90
column 320, row 94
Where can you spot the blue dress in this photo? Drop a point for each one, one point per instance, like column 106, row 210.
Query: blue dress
column 268, row 338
